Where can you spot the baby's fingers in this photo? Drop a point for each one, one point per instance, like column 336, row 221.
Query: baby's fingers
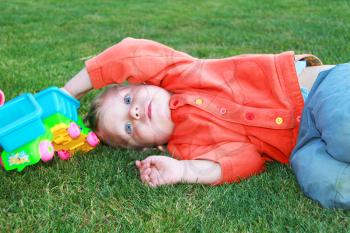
column 145, row 179
column 144, row 175
column 146, row 171
column 138, row 164
column 143, row 164
column 151, row 184
column 155, row 177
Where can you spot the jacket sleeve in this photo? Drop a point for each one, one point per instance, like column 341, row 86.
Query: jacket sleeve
column 136, row 61
column 237, row 160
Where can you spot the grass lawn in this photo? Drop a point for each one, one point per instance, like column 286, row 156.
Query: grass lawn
column 44, row 43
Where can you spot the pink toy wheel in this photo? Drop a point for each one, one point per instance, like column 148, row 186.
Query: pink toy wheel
column 2, row 98
column 46, row 150
column 64, row 155
column 92, row 139
column 74, row 130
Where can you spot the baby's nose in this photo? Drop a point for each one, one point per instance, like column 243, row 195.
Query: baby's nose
column 135, row 112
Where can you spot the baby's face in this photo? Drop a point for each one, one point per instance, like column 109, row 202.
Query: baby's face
column 136, row 116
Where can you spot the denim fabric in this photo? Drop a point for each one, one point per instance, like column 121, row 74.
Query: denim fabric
column 321, row 157
column 304, row 92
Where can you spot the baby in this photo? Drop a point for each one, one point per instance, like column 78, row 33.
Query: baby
column 221, row 119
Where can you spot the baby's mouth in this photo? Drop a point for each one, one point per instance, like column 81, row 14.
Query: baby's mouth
column 149, row 111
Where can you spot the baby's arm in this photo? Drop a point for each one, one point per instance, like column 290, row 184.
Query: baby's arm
column 133, row 60
column 79, row 84
column 161, row 170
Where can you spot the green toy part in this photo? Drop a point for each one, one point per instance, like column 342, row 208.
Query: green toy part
column 25, row 155
column 58, row 118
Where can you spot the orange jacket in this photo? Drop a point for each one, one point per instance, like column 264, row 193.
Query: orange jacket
column 238, row 111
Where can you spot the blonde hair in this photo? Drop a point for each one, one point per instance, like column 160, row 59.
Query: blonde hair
column 94, row 115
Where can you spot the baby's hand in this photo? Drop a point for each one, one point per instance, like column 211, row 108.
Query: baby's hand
column 66, row 91
column 160, row 170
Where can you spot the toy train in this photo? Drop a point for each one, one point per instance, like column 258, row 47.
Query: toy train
column 34, row 127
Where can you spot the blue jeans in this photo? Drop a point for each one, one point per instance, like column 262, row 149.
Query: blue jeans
column 321, row 158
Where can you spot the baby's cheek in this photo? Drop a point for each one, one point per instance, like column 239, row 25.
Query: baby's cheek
column 144, row 134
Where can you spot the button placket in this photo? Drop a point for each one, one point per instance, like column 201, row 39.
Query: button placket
column 249, row 116
column 279, row 120
column 199, row 101
column 233, row 112
column 223, row 111
column 176, row 101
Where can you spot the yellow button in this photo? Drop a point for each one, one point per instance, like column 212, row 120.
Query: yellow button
column 279, row 120
column 199, row 101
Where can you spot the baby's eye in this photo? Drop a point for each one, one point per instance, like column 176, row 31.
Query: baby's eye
column 128, row 128
column 127, row 99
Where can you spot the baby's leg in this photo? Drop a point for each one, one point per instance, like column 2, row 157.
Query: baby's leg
column 320, row 157
column 330, row 106
column 321, row 177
